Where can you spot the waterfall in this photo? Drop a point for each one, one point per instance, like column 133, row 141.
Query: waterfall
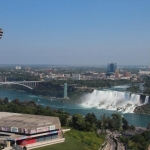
column 146, row 99
column 135, row 98
column 111, row 100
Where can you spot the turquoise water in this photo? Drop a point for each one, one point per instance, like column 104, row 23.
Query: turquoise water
column 73, row 107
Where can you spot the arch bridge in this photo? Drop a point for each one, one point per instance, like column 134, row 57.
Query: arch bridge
column 28, row 84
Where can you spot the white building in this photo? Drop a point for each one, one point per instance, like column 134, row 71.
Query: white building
column 18, row 67
column 144, row 72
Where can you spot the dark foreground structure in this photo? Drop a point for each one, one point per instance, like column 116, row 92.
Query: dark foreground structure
column 1, row 33
column 29, row 131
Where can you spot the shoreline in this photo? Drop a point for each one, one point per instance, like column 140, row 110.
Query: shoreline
column 69, row 101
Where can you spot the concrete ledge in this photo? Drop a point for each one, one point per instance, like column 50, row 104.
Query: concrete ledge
column 65, row 130
column 7, row 148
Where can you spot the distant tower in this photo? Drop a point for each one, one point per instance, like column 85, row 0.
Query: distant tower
column 111, row 67
column 65, row 90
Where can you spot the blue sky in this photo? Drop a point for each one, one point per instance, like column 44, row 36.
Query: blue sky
column 75, row 32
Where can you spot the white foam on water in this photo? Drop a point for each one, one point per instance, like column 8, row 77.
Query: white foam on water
column 111, row 100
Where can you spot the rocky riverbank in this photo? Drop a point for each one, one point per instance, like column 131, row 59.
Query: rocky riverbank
column 144, row 109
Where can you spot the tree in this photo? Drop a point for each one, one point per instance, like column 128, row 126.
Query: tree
column 78, row 122
column 32, row 104
column 132, row 127
column 125, row 125
column 99, row 124
column 63, row 119
column 88, row 126
column 146, row 135
column 6, row 101
column 103, row 121
column 91, row 118
column 16, row 101
column 48, row 107
column 110, row 123
column 116, row 121
column 1, row 101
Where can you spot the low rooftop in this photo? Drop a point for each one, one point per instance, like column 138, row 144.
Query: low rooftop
column 26, row 121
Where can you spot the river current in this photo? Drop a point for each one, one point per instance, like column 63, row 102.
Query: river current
column 74, row 107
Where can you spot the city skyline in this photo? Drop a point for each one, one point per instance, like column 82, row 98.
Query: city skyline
column 75, row 32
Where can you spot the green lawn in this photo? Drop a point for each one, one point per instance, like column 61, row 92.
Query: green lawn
column 77, row 140
column 70, row 144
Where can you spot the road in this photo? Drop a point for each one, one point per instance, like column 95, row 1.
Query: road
column 111, row 144
column 120, row 146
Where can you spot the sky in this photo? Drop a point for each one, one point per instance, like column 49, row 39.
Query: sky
column 75, row 32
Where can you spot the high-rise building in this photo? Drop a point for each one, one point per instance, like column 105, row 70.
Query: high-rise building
column 111, row 67
column 65, row 90
column 117, row 73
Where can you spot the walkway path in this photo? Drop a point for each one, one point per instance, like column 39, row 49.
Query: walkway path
column 111, row 144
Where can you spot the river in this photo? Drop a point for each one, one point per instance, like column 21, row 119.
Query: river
column 73, row 107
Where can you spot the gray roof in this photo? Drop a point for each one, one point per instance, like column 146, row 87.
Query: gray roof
column 26, row 121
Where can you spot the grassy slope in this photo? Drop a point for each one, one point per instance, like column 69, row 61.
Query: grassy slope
column 77, row 140
column 70, row 144
column 88, row 138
